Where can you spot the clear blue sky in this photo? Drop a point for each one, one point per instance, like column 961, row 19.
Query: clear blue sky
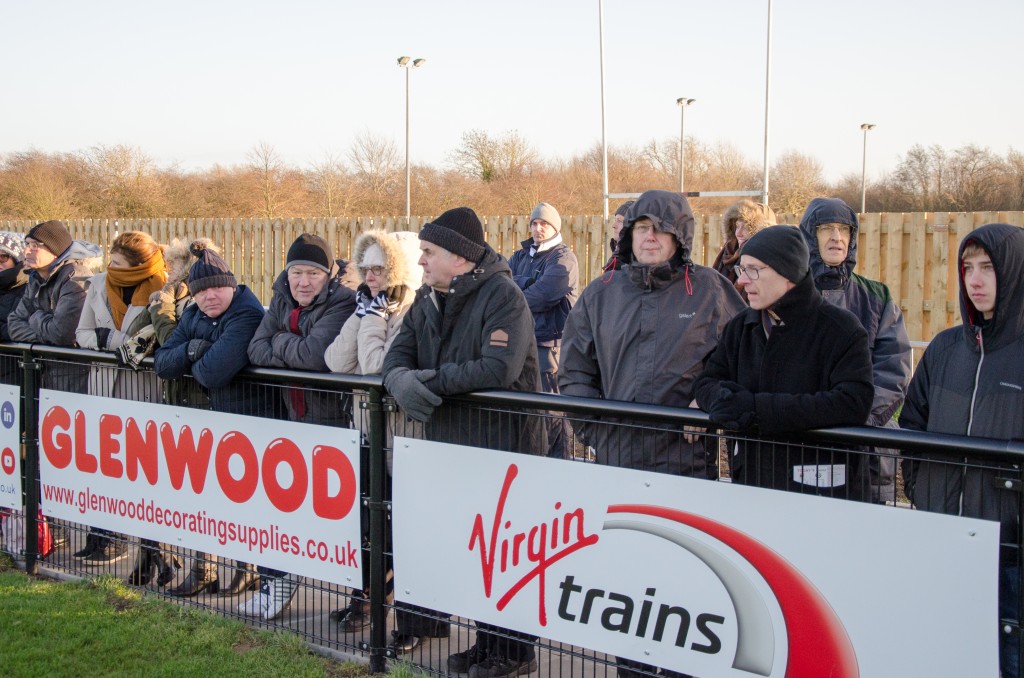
column 197, row 83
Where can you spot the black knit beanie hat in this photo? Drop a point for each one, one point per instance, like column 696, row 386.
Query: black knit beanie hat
column 209, row 270
column 459, row 231
column 623, row 208
column 310, row 250
column 783, row 248
column 54, row 236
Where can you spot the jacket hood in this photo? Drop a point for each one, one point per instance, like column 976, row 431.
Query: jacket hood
column 829, row 211
column 401, row 256
column 1005, row 246
column 179, row 259
column 88, row 256
column 670, row 213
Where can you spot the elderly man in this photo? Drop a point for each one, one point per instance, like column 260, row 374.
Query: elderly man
column 791, row 362
column 469, row 329
column 829, row 227
column 547, row 272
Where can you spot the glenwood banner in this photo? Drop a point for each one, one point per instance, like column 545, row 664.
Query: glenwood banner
column 276, row 493
column 10, row 448
column 700, row 577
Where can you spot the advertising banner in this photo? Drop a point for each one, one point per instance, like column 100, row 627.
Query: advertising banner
column 704, row 578
column 276, row 493
column 10, row 447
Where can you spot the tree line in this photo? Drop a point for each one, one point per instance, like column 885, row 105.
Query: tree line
column 496, row 173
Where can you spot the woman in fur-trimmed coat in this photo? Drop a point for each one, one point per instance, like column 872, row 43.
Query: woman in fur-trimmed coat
column 389, row 276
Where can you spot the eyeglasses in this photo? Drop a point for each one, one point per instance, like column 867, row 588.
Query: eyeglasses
column 752, row 272
column 376, row 270
column 5, row 257
column 843, row 229
column 31, row 244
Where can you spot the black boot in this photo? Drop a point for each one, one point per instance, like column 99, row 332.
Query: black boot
column 242, row 580
column 167, row 565
column 144, row 567
column 197, row 581
column 90, row 544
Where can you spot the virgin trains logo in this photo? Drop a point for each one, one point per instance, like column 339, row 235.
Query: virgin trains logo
column 813, row 641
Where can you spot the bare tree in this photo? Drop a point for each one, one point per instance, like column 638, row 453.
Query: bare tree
column 795, row 179
column 506, row 158
column 37, row 186
column 377, row 164
column 270, row 177
column 125, row 180
column 331, row 186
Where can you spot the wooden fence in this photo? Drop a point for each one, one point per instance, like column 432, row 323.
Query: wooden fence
column 913, row 253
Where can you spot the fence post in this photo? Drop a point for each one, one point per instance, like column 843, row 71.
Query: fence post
column 378, row 518
column 30, row 410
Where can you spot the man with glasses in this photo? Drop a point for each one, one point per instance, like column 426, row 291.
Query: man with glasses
column 829, row 227
column 49, row 310
column 791, row 362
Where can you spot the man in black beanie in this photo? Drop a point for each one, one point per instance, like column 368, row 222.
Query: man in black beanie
column 791, row 362
column 468, row 329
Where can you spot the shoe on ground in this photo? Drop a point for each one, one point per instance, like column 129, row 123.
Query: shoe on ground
column 241, row 581
column 402, row 643
column 355, row 617
column 90, row 544
column 461, row 662
column 59, row 535
column 255, row 606
column 496, row 666
column 195, row 583
column 280, row 591
column 106, row 551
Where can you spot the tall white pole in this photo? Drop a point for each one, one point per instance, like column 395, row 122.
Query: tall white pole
column 864, row 169
column 408, row 191
column 682, row 141
column 767, row 101
column 604, row 136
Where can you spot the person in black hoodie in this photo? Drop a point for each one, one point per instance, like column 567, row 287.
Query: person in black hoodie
column 791, row 362
column 970, row 382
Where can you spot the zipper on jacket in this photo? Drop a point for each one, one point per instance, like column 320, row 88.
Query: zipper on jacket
column 970, row 418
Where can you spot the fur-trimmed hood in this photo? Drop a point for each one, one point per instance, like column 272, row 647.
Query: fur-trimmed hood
column 179, row 259
column 401, row 256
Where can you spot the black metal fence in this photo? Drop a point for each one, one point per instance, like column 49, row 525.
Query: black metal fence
column 645, row 437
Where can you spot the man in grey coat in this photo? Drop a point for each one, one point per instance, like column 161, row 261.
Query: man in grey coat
column 643, row 333
column 49, row 309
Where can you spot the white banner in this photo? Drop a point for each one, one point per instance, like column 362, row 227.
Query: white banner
column 10, row 447
column 706, row 578
column 276, row 493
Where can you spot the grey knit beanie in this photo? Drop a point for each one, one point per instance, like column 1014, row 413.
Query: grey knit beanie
column 13, row 244
column 547, row 213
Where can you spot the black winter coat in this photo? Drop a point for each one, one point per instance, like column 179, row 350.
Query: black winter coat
column 813, row 372
column 230, row 334
column 970, row 382
column 484, row 339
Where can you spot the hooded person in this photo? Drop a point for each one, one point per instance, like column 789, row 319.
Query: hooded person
column 613, row 263
column 389, row 277
column 13, row 278
column 739, row 223
column 830, row 229
column 642, row 334
column 791, row 362
column 469, row 329
column 547, row 272
column 970, row 382
column 49, row 309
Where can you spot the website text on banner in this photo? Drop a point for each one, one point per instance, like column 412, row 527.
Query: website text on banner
column 701, row 577
column 276, row 493
column 10, row 448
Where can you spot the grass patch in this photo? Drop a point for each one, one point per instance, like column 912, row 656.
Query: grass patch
column 103, row 628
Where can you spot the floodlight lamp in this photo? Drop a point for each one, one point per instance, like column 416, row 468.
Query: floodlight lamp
column 403, row 60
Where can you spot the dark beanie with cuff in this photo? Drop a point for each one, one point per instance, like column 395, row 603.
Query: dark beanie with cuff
column 54, row 236
column 459, row 231
column 209, row 270
column 310, row 250
column 783, row 248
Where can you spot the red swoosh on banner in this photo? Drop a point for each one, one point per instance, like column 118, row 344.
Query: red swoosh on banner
column 818, row 642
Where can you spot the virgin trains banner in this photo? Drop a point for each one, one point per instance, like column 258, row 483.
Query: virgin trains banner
column 10, row 448
column 276, row 493
column 705, row 578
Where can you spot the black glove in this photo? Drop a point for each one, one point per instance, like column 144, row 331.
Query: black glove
column 415, row 399
column 102, row 337
column 734, row 409
column 197, row 348
column 363, row 299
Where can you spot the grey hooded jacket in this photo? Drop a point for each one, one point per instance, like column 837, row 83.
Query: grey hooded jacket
column 642, row 334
